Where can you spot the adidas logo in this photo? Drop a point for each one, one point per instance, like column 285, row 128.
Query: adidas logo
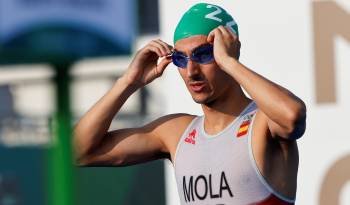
column 191, row 137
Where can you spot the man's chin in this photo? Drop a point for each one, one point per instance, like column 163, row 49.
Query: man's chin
column 201, row 99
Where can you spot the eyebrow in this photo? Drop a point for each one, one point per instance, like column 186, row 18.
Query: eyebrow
column 203, row 44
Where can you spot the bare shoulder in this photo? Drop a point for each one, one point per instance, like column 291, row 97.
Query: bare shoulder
column 171, row 125
column 170, row 129
column 173, row 122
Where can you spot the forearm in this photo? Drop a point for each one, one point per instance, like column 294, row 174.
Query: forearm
column 279, row 104
column 94, row 125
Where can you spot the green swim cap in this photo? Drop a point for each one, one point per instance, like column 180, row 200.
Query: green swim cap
column 202, row 18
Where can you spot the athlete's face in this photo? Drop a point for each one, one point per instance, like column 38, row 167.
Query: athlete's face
column 205, row 82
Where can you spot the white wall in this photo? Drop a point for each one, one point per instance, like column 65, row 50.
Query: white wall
column 277, row 42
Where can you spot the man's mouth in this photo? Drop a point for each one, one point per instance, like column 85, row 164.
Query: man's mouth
column 197, row 86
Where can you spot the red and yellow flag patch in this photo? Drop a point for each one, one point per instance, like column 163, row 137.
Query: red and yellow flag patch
column 244, row 127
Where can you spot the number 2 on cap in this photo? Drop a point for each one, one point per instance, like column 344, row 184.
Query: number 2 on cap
column 213, row 16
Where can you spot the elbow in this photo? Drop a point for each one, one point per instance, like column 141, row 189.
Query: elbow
column 297, row 113
column 100, row 161
column 296, row 122
column 82, row 161
column 118, row 162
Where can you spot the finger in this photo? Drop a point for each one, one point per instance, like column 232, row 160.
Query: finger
column 163, row 65
column 225, row 32
column 233, row 33
column 211, row 36
column 228, row 32
column 154, row 49
column 160, row 46
column 166, row 46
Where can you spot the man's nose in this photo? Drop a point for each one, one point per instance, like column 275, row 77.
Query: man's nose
column 192, row 68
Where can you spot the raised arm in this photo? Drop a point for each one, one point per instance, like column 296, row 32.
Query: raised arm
column 92, row 129
column 138, row 145
column 284, row 112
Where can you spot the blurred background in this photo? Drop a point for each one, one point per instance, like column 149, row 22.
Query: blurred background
column 301, row 45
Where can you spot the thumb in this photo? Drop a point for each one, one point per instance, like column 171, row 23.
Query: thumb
column 163, row 64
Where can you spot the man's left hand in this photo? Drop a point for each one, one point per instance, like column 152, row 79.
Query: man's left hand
column 226, row 45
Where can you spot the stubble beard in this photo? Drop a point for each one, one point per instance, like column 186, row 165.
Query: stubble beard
column 208, row 99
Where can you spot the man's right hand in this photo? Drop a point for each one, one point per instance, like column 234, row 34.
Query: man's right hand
column 145, row 68
column 90, row 133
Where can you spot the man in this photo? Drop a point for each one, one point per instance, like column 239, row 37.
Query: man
column 241, row 151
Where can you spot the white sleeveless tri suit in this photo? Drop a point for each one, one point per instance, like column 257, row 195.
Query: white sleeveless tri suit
column 220, row 169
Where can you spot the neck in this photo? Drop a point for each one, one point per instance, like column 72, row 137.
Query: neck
column 221, row 112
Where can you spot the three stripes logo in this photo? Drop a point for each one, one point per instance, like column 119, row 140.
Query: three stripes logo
column 244, row 127
column 191, row 137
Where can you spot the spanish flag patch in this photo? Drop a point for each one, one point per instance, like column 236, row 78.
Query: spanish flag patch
column 243, row 128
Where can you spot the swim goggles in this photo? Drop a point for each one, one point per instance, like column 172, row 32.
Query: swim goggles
column 202, row 55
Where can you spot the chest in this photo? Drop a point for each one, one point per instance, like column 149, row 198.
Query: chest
column 226, row 154
column 218, row 168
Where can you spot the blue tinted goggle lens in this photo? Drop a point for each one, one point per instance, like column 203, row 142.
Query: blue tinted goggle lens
column 201, row 55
